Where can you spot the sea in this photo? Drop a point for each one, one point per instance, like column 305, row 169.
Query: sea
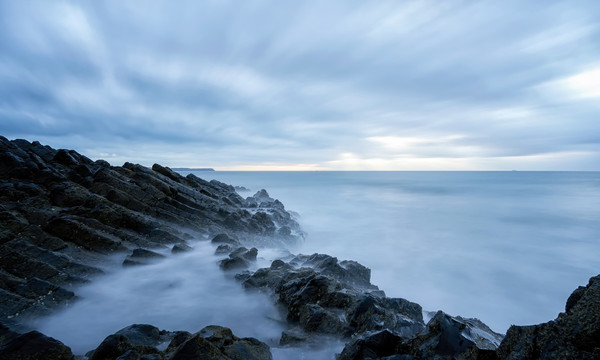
column 504, row 247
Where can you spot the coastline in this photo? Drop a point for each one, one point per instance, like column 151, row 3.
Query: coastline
column 64, row 213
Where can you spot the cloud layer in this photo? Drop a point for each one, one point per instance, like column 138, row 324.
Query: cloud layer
column 418, row 85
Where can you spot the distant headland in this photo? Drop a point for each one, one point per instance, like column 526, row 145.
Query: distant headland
column 192, row 169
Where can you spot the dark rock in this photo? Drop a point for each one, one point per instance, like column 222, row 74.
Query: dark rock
column 574, row 334
column 444, row 337
column 145, row 254
column 141, row 334
column 236, row 263
column 167, row 172
column 223, row 249
column 314, row 318
column 224, row 239
column 34, row 346
column 129, row 262
column 244, row 253
column 180, row 248
column 216, row 342
column 134, row 341
column 293, row 337
column 377, row 345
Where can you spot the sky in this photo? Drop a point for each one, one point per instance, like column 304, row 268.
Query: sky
column 307, row 85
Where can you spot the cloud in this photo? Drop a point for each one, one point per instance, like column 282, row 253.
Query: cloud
column 298, row 85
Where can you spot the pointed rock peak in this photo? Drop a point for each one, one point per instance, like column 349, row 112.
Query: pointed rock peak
column 262, row 194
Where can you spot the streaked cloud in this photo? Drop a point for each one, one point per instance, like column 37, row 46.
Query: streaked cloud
column 307, row 85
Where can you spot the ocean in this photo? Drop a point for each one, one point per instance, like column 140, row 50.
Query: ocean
column 503, row 247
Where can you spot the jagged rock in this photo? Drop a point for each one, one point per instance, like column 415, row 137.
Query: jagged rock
column 326, row 298
column 242, row 252
column 145, row 254
column 223, row 249
column 132, row 342
column 574, row 334
column 379, row 345
column 293, row 337
column 240, row 258
column 60, row 212
column 376, row 313
column 130, row 262
column 236, row 263
column 216, row 342
column 180, row 248
column 443, row 337
column 224, row 239
column 33, row 346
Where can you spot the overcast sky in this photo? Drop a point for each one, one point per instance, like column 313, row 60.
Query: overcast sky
column 296, row 85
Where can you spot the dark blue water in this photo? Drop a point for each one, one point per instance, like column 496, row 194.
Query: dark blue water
column 505, row 247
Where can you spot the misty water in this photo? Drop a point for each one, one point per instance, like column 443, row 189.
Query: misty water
column 505, row 247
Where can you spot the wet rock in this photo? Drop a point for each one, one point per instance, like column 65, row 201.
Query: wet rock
column 60, row 213
column 293, row 337
column 224, row 239
column 34, row 346
column 240, row 258
column 216, row 342
column 145, row 254
column 236, row 263
column 322, row 296
column 242, row 252
column 443, row 337
column 451, row 336
column 132, row 341
column 315, row 318
column 349, row 272
column 130, row 262
column 574, row 334
column 223, row 249
column 180, row 248
column 141, row 257
column 379, row 345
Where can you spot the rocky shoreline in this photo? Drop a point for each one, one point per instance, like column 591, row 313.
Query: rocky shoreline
column 63, row 215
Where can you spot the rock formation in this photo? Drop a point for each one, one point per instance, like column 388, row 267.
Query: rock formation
column 62, row 213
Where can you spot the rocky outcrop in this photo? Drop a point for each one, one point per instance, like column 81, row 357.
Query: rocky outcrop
column 574, row 334
column 139, row 342
column 322, row 295
column 31, row 346
column 444, row 337
column 213, row 342
column 62, row 213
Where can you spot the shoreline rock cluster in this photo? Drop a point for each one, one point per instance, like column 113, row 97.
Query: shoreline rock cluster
column 63, row 216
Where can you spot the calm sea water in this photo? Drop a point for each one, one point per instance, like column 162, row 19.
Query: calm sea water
column 505, row 247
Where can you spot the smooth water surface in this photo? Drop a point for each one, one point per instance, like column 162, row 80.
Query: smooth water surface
column 505, row 247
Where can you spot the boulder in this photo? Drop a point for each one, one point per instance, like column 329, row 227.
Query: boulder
column 180, row 248
column 34, row 346
column 216, row 342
